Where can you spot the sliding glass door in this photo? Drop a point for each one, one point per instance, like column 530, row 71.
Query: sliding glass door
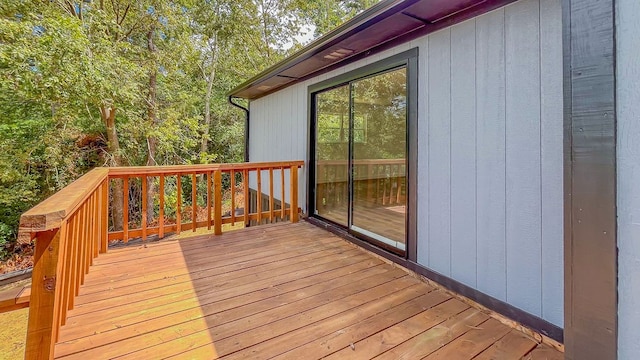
column 332, row 154
column 360, row 155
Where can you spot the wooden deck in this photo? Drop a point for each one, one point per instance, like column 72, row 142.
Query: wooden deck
column 290, row 291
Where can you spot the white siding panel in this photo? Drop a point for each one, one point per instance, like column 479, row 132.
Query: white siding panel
column 490, row 97
column 523, row 185
column 439, row 174
column 463, row 153
column 552, row 161
column 628, row 157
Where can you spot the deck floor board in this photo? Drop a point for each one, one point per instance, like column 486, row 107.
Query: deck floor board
column 286, row 291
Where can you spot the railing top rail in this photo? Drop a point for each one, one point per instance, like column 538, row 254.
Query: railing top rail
column 364, row 162
column 50, row 213
column 190, row 169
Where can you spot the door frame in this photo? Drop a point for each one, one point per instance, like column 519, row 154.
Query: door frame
column 409, row 59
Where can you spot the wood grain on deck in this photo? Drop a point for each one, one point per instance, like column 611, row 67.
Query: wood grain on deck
column 286, row 291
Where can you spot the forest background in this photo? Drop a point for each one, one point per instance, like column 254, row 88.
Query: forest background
column 119, row 83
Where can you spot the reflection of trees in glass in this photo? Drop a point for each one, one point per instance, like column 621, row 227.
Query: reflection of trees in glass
column 333, row 128
column 379, row 118
column 332, row 114
column 382, row 100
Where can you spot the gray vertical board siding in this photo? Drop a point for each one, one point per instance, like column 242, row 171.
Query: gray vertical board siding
column 481, row 101
column 490, row 95
column 275, row 137
column 423, row 153
column 523, row 184
column 439, row 172
column 551, row 160
column 628, row 87
column 463, row 153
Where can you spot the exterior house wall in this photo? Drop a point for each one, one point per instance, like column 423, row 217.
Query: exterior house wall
column 490, row 144
column 628, row 162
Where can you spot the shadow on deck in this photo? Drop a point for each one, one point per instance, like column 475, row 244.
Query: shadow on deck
column 287, row 290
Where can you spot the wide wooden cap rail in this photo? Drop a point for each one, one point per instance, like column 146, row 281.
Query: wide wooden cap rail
column 71, row 228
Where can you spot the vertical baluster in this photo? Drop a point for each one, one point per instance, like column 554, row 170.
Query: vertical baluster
column 77, row 253
column 194, row 202
column 82, row 248
column 345, row 181
column 67, row 284
column 270, row 194
column 95, row 214
column 60, row 279
column 384, row 191
column 259, row 196
column 143, row 215
column 161, row 219
column 245, row 180
column 282, row 201
column 217, row 211
column 377, row 184
column 92, row 228
column 87, row 240
column 179, row 204
column 399, row 185
column 104, row 217
column 209, row 193
column 233, row 197
column 125, row 209
column 369, row 184
column 320, row 186
column 294, row 193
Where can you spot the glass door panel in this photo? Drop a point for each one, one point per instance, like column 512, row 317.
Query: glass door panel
column 332, row 154
column 379, row 152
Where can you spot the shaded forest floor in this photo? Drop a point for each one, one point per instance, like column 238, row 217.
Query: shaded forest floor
column 23, row 259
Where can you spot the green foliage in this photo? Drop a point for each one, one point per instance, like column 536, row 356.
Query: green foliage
column 62, row 63
column 6, row 239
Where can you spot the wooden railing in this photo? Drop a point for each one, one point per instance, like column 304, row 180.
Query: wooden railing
column 71, row 228
column 211, row 178
column 376, row 181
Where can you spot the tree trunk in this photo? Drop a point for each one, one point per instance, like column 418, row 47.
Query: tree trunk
column 207, row 114
column 207, row 101
column 153, row 121
column 108, row 116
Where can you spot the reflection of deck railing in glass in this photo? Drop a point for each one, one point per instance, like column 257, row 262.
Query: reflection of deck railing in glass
column 376, row 181
column 71, row 228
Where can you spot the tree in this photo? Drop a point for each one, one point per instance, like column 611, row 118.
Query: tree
column 123, row 82
column 326, row 15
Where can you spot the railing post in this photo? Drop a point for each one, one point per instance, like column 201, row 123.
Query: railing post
column 294, row 193
column 43, row 310
column 217, row 210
